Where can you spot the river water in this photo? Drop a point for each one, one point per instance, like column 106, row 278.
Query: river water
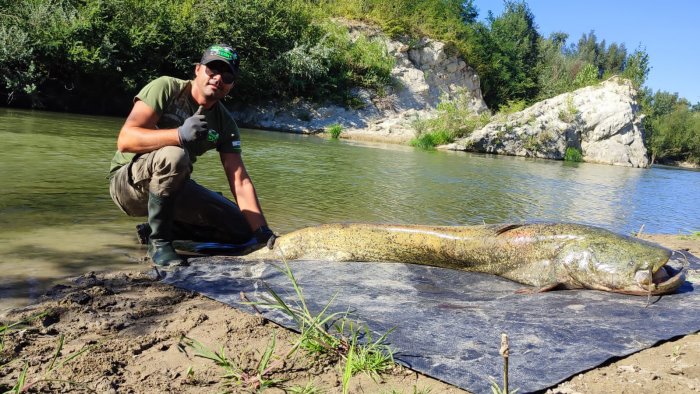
column 57, row 219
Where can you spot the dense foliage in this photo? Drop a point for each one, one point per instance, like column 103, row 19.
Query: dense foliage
column 94, row 55
column 673, row 128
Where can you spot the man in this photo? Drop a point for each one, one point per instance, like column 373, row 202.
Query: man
column 171, row 123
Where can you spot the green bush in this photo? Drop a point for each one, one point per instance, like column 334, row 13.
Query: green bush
column 573, row 154
column 588, row 75
column 455, row 119
column 335, row 130
column 430, row 140
column 676, row 136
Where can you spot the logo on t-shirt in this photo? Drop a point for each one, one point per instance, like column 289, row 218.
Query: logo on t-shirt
column 212, row 136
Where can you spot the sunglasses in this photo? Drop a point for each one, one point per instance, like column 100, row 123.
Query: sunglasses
column 213, row 69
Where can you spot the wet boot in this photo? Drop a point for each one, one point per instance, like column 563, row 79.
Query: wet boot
column 160, row 219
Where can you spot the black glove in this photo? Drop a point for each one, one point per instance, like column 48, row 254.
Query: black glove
column 265, row 236
column 195, row 128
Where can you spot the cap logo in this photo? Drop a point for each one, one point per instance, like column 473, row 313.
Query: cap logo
column 224, row 52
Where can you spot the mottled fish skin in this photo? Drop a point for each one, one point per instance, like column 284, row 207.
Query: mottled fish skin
column 543, row 255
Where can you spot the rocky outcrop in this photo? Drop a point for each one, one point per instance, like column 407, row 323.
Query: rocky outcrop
column 424, row 74
column 602, row 121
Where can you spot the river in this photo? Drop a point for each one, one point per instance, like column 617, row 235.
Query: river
column 57, row 219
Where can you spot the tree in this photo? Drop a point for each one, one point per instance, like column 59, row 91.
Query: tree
column 469, row 12
column 662, row 103
column 637, row 67
column 513, row 40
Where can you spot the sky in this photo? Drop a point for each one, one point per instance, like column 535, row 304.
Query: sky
column 669, row 32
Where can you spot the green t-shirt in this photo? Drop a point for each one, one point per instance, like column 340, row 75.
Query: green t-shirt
column 171, row 98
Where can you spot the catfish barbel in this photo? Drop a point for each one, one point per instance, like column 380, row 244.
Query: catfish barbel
column 546, row 256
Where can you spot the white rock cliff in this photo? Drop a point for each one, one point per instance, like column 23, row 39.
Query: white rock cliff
column 602, row 121
column 423, row 75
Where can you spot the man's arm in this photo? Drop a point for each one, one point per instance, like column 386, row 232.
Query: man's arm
column 139, row 133
column 243, row 189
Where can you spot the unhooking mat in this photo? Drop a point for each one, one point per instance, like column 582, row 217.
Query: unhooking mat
column 448, row 324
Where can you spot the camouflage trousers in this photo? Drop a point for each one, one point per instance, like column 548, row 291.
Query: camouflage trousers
column 200, row 214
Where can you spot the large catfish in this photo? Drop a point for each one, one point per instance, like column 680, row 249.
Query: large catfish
column 543, row 255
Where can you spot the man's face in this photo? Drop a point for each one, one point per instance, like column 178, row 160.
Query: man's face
column 212, row 78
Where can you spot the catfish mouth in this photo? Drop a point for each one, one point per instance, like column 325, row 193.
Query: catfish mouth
column 666, row 280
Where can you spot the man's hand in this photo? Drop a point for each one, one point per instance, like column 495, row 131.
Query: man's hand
column 265, row 236
column 195, row 128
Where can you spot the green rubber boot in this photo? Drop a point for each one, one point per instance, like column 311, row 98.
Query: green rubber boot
column 160, row 242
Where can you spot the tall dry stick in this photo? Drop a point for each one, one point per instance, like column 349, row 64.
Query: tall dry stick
column 505, row 352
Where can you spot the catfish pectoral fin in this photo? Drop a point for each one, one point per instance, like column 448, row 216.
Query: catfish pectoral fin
column 542, row 289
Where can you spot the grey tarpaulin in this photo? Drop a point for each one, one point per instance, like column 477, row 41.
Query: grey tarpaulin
column 448, row 323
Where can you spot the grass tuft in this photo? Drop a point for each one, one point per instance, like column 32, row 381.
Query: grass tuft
column 455, row 119
column 573, row 155
column 333, row 334
column 309, row 388
column 255, row 379
column 24, row 383
column 334, row 130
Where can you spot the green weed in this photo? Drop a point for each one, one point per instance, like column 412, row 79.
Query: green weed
column 573, row 154
column 428, row 141
column 256, row 378
column 331, row 333
column 496, row 389
column 587, row 75
column 310, row 388
column 569, row 114
column 455, row 119
column 334, row 130
column 24, row 384
column 7, row 328
column 371, row 357
column 313, row 336
column 532, row 143
column 347, row 372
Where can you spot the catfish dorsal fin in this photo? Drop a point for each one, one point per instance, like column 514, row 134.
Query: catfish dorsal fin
column 506, row 228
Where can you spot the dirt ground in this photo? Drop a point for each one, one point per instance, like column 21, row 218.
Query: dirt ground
column 130, row 330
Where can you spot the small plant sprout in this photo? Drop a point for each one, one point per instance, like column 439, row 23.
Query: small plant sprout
column 676, row 354
column 189, row 374
column 309, row 388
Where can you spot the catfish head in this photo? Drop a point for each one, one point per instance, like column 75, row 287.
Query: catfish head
column 607, row 261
